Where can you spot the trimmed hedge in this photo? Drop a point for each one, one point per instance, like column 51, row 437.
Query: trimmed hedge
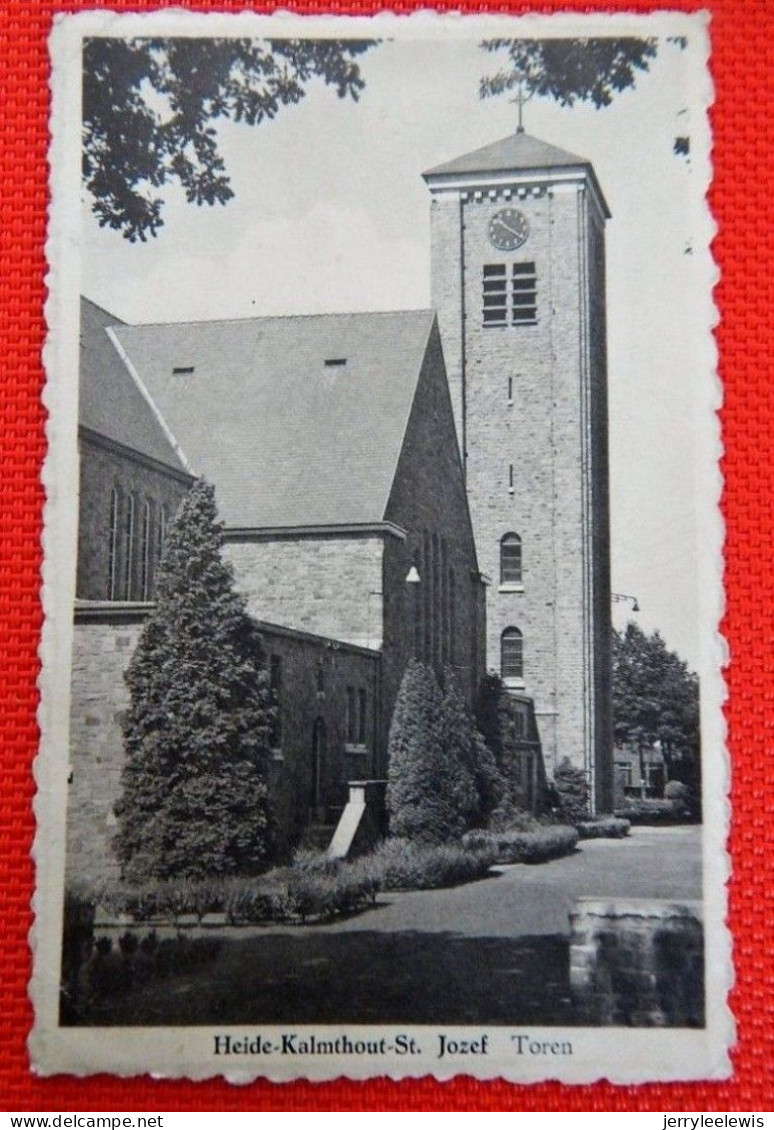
column 403, row 865
column 605, row 827
column 653, row 810
column 538, row 846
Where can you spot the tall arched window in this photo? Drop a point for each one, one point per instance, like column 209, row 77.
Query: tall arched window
column 427, row 583
column 161, row 538
column 129, row 547
column 145, row 551
column 452, row 616
column 510, row 560
column 436, row 605
column 112, row 578
column 512, row 654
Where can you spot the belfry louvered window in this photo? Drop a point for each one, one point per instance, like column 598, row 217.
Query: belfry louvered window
column 495, row 295
column 524, row 293
column 510, row 296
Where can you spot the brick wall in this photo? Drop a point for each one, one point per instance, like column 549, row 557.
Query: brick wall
column 104, row 468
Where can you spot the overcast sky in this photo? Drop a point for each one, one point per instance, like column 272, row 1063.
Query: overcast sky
column 331, row 213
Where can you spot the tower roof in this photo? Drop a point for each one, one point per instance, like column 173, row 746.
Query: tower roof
column 516, row 153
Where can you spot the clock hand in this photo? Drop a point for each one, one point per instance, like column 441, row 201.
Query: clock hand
column 510, row 229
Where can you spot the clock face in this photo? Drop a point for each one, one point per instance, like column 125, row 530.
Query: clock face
column 508, row 229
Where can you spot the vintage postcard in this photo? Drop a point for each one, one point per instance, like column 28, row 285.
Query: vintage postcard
column 381, row 684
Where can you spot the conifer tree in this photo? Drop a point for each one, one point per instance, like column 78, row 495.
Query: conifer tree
column 196, row 734
column 420, row 792
column 474, row 779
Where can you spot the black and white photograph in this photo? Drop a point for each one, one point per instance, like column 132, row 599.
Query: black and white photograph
column 381, row 694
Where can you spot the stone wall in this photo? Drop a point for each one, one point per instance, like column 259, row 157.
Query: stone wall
column 316, row 675
column 638, row 962
column 327, row 584
column 102, row 648
column 104, row 467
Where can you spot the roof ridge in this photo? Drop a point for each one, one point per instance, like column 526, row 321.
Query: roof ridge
column 277, row 318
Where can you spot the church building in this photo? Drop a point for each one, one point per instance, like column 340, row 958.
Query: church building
column 429, row 484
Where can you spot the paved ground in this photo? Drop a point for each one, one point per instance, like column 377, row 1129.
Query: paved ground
column 494, row 951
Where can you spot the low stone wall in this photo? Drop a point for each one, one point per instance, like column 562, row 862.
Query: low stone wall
column 638, row 962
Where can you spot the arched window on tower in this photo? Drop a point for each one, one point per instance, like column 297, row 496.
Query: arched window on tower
column 512, row 654
column 510, row 560
column 129, row 547
column 112, row 578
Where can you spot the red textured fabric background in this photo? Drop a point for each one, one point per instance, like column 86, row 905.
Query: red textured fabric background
column 743, row 203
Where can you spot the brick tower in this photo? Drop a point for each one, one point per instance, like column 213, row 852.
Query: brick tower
column 518, row 277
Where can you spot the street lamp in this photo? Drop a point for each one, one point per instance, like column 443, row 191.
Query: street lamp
column 618, row 597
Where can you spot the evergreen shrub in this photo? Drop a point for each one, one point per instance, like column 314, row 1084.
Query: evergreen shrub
column 652, row 810
column 426, row 802
column 194, row 797
column 572, row 790
column 605, row 827
column 404, row 865
column 550, row 841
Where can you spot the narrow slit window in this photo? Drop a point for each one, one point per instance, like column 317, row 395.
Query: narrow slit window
column 162, row 534
column 182, row 370
column 361, row 716
column 145, row 551
column 351, row 719
column 129, row 548
column 334, row 362
column 113, row 545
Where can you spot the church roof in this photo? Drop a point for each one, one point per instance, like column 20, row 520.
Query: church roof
column 297, row 421
column 109, row 402
column 518, row 152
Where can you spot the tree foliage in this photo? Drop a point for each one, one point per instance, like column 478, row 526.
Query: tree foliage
column 572, row 792
column 655, row 697
column 568, row 70
column 496, row 718
column 194, row 797
column 149, row 107
column 439, row 768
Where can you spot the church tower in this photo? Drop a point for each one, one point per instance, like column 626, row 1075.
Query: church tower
column 518, row 282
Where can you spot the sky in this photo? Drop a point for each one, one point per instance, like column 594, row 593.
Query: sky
column 331, row 213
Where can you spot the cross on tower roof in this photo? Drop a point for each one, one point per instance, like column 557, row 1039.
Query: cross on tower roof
column 520, row 99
